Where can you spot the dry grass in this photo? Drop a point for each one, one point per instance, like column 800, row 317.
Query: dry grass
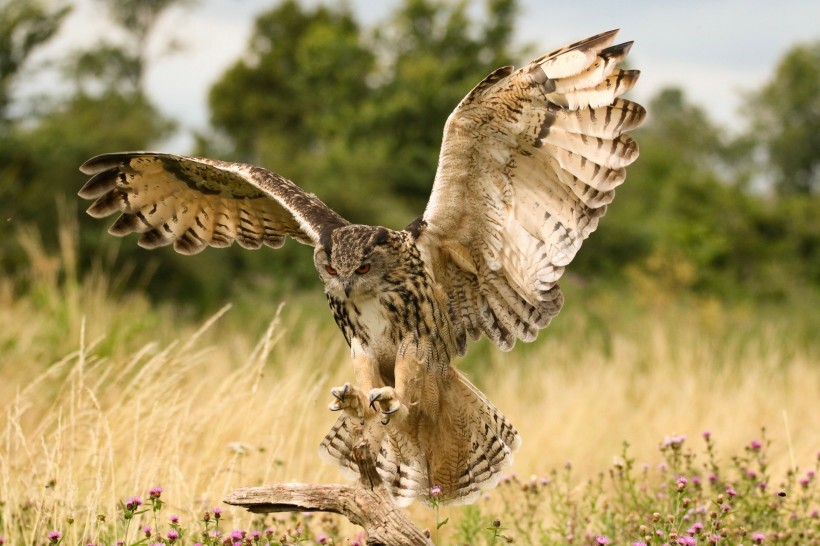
column 103, row 398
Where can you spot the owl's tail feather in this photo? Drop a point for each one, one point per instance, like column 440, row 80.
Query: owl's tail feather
column 451, row 448
column 473, row 443
column 398, row 460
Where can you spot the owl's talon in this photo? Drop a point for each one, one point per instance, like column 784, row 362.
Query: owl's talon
column 340, row 392
column 388, row 401
column 347, row 397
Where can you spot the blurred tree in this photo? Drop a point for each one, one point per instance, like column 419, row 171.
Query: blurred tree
column 122, row 65
column 106, row 110
column 436, row 54
column 785, row 115
column 313, row 102
column 293, row 101
column 685, row 221
column 355, row 119
column 24, row 26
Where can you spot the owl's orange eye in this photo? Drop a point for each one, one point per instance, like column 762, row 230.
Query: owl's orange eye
column 364, row 268
column 330, row 270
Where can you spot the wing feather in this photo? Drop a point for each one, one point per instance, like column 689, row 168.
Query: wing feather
column 194, row 203
column 529, row 162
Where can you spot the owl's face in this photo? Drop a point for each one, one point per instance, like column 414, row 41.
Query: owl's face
column 360, row 257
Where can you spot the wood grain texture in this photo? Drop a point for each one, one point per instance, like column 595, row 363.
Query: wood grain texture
column 368, row 503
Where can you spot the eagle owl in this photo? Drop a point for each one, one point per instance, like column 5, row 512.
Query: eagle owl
column 529, row 162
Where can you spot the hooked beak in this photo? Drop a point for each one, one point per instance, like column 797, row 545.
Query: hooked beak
column 347, row 285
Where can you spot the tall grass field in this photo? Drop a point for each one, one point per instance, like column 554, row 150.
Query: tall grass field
column 645, row 420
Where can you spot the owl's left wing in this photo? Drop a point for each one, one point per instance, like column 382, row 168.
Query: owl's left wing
column 195, row 202
column 529, row 162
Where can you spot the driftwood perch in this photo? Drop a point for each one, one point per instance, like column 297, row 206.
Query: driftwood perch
column 368, row 503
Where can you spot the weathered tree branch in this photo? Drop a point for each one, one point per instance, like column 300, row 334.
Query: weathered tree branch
column 367, row 503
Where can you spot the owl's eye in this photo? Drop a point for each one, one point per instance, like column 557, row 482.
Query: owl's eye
column 330, row 270
column 364, row 268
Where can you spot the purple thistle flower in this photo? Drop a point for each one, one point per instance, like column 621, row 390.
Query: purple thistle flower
column 706, row 435
column 603, row 540
column 762, row 486
column 236, row 534
column 174, row 519
column 269, row 532
column 755, row 445
column 120, row 543
column 758, row 538
column 696, row 528
column 639, row 543
column 687, row 541
column 155, row 492
column 172, row 535
column 197, row 544
column 133, row 503
column 237, row 543
column 355, row 543
column 256, row 535
column 435, row 491
column 217, row 512
column 714, row 539
column 147, row 530
column 2, row 540
column 321, row 539
column 713, row 478
column 54, row 536
column 696, row 481
column 815, row 514
column 725, row 507
column 731, row 492
column 804, row 482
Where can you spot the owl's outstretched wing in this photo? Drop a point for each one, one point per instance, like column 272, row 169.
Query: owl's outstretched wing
column 195, row 202
column 529, row 162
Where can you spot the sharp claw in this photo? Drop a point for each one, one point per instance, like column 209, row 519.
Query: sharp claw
column 373, row 399
column 389, row 411
column 385, row 420
column 340, row 396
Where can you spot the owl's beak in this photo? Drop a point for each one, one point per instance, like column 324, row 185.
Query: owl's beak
column 347, row 285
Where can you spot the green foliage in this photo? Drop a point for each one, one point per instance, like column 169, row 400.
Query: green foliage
column 24, row 26
column 355, row 115
column 689, row 499
column 786, row 120
column 686, row 220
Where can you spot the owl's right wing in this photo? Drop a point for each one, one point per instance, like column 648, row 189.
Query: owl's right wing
column 194, row 202
column 529, row 161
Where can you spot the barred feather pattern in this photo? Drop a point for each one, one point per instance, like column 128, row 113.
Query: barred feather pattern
column 194, row 203
column 529, row 163
column 530, row 160
column 460, row 443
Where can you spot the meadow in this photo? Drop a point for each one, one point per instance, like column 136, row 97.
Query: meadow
column 105, row 395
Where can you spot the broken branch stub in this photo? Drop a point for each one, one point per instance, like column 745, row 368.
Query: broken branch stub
column 367, row 503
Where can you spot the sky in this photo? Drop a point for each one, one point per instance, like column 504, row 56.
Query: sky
column 714, row 49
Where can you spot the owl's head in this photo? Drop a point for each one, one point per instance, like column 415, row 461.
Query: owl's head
column 355, row 260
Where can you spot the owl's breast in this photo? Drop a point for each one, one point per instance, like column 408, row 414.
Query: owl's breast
column 366, row 323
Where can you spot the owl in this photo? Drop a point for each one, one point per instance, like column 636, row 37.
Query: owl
column 529, row 161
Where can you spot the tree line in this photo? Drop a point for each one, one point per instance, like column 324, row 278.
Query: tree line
column 355, row 115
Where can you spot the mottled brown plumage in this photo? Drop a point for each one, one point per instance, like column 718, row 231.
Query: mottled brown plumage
column 528, row 164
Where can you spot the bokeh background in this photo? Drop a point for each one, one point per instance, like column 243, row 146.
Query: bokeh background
column 694, row 307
